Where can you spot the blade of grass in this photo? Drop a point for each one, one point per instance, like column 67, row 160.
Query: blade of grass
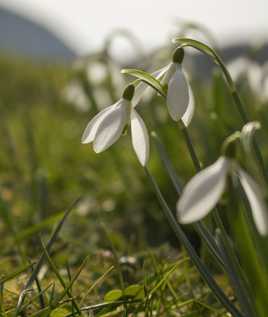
column 199, row 226
column 194, row 257
column 55, row 270
column 15, row 273
column 48, row 247
column 68, row 288
column 97, row 282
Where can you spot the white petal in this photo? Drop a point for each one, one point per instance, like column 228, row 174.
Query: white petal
column 111, row 127
column 203, row 192
column 91, row 128
column 169, row 73
column 160, row 72
column 140, row 138
column 256, row 201
column 139, row 91
column 177, row 95
column 188, row 115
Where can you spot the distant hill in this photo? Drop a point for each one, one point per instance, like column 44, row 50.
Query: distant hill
column 21, row 36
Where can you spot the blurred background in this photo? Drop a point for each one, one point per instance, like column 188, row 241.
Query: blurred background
column 67, row 29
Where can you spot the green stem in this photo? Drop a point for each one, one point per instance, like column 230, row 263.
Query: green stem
column 194, row 257
column 233, row 269
column 190, row 146
column 200, row 228
column 231, row 265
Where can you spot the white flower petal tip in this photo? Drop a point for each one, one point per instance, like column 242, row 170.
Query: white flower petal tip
column 140, row 138
column 203, row 192
column 139, row 92
column 168, row 73
column 92, row 127
column 256, row 201
column 111, row 127
column 188, row 115
column 177, row 95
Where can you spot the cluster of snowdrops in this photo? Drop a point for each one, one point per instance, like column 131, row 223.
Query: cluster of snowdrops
column 203, row 193
column 205, row 189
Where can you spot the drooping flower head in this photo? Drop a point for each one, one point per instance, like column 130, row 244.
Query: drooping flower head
column 205, row 189
column 107, row 126
column 180, row 99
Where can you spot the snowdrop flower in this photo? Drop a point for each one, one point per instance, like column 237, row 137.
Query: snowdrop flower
column 108, row 125
column 205, row 189
column 180, row 98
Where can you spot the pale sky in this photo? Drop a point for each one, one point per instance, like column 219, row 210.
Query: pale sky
column 85, row 23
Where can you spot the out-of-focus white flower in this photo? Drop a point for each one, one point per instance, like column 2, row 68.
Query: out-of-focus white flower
column 108, row 125
column 205, row 189
column 74, row 94
column 242, row 67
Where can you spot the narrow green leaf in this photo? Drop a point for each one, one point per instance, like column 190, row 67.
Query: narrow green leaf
column 28, row 232
column 204, row 272
column 57, row 273
column 50, row 243
column 47, row 249
column 147, row 78
column 15, row 273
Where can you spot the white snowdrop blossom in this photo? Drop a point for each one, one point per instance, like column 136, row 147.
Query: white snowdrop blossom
column 180, row 98
column 107, row 126
column 180, row 101
column 205, row 189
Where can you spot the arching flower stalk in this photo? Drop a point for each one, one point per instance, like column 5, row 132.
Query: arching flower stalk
column 205, row 189
column 108, row 125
